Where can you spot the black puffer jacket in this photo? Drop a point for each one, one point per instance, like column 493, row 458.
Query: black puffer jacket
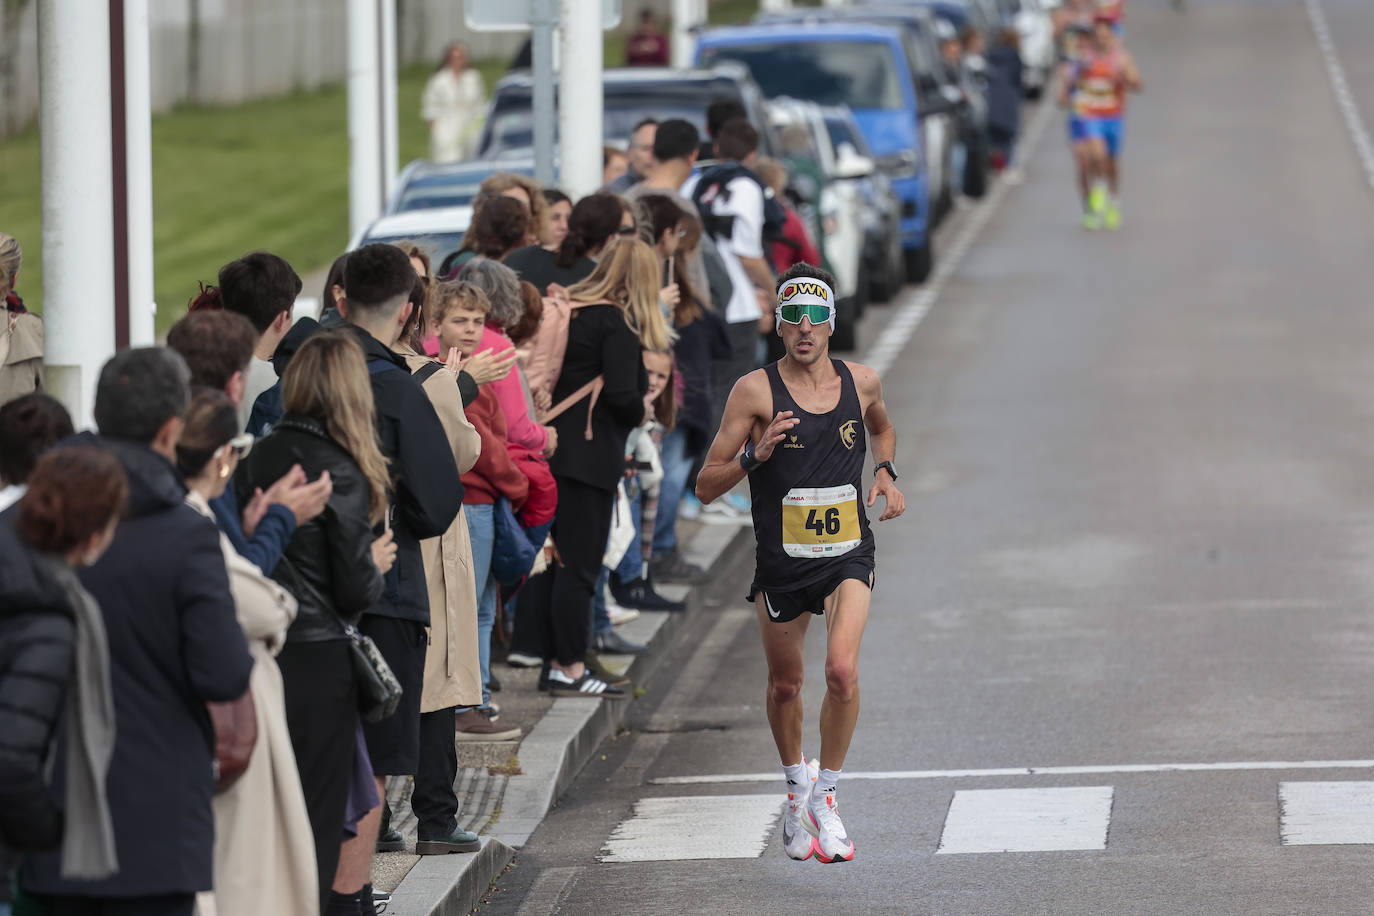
column 332, row 553
column 37, row 629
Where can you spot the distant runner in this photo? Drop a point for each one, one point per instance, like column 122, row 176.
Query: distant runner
column 1096, row 85
column 796, row 428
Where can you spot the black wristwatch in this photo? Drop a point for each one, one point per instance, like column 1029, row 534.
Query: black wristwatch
column 885, row 466
column 747, row 459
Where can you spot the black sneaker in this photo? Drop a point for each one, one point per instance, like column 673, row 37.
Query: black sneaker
column 391, row 841
column 613, row 643
column 640, row 594
column 671, row 567
column 588, row 685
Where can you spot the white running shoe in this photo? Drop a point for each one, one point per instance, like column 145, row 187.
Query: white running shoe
column 796, row 825
column 832, row 844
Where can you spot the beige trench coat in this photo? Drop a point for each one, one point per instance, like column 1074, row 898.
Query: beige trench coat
column 264, row 847
column 453, row 676
column 21, row 354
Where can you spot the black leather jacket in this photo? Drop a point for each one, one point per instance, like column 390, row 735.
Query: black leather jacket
column 328, row 562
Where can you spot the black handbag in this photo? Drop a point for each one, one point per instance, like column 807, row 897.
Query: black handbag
column 379, row 692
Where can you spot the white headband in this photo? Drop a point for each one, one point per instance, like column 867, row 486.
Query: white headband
column 806, row 291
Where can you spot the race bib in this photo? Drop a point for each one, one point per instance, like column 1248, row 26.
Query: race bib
column 820, row 522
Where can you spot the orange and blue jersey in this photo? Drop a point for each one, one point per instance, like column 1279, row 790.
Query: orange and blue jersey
column 1099, row 89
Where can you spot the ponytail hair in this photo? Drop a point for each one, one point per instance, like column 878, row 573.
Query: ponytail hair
column 74, row 492
column 595, row 219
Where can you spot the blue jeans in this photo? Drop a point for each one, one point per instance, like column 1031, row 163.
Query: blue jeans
column 482, row 532
column 677, row 467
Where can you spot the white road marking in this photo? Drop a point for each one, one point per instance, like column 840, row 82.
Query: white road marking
column 708, row 827
column 904, row 320
column 1326, row 813
column 1345, row 99
column 1041, row 771
column 1027, row 820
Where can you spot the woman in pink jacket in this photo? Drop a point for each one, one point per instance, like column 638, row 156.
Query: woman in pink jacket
column 502, row 286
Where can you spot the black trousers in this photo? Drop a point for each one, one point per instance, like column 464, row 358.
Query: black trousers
column 554, row 613
column 433, row 800
column 322, row 716
column 170, row 905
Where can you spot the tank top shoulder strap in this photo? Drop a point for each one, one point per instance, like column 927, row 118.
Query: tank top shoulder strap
column 782, row 398
column 849, row 390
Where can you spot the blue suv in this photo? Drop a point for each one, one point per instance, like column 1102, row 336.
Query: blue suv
column 862, row 66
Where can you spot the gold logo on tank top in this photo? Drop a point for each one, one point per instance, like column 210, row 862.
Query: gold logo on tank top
column 848, row 431
column 792, row 443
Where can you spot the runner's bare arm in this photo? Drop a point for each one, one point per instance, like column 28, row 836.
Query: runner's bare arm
column 1066, row 81
column 749, row 401
column 1129, row 73
column 882, row 435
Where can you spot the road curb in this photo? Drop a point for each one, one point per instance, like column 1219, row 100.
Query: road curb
column 551, row 757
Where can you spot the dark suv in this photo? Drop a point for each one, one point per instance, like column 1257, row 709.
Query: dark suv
column 630, row 94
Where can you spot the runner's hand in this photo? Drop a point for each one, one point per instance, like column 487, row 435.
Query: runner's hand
column 775, row 433
column 487, row 367
column 893, row 500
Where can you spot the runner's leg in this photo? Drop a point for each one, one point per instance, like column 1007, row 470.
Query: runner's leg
column 846, row 614
column 783, row 645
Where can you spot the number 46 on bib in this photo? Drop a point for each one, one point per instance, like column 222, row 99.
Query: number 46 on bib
column 820, row 521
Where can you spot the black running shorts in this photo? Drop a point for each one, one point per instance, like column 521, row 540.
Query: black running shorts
column 786, row 606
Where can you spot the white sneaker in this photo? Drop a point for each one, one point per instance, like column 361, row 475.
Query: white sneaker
column 620, row 614
column 832, row 844
column 797, row 841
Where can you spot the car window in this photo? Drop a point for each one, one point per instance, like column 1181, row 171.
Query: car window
column 840, row 132
column 511, row 121
column 860, row 74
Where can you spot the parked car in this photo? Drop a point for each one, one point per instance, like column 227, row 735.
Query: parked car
column 629, row 95
column 840, row 209
column 938, row 101
column 439, row 230
column 882, row 261
column 424, row 185
column 843, row 63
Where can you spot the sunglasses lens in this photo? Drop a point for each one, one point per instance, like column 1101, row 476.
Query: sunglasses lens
column 793, row 314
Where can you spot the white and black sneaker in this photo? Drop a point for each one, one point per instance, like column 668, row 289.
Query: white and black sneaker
column 588, row 685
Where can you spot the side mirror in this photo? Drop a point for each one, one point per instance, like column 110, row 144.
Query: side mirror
column 849, row 164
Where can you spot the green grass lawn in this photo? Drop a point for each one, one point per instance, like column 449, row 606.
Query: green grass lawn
column 269, row 174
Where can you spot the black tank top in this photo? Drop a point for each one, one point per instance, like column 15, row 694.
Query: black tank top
column 809, row 518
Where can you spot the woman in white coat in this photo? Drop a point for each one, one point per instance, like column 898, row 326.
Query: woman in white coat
column 264, row 848
column 453, row 104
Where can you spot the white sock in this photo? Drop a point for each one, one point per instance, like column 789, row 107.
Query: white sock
column 825, row 785
column 797, row 783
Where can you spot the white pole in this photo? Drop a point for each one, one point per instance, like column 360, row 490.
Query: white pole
column 78, row 199
column 138, row 156
column 365, row 134
column 391, row 156
column 580, row 98
column 773, row 6
column 684, row 17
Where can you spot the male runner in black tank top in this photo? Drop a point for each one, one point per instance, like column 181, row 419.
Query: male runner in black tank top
column 794, row 429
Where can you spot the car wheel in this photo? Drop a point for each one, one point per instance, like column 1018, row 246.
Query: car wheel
column 844, row 337
column 919, row 261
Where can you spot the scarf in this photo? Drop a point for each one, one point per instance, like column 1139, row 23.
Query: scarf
column 88, row 844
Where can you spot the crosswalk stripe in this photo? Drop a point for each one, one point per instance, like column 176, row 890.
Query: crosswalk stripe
column 1326, row 813
column 1027, row 820
column 707, row 827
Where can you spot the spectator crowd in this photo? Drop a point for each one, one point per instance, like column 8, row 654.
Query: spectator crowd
column 281, row 567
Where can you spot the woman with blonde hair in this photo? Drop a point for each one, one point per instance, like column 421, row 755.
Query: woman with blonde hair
column 264, row 850
column 598, row 399
column 332, row 565
column 21, row 334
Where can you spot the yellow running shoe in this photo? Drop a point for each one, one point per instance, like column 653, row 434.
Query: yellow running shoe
column 1112, row 217
column 1097, row 199
column 1091, row 221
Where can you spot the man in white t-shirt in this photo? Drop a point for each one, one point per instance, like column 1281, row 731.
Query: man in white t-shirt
column 731, row 200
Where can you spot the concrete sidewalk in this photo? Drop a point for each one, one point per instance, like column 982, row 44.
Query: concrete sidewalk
column 505, row 789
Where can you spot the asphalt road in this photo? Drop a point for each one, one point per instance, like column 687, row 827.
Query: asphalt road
column 1139, row 478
